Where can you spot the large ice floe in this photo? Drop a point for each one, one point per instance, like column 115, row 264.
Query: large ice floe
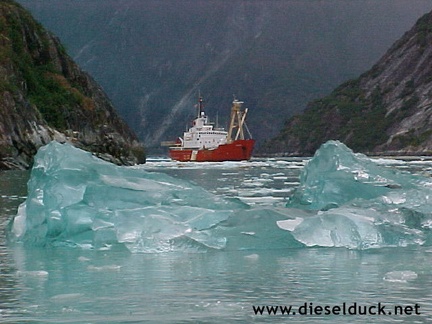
column 360, row 204
column 77, row 199
column 344, row 200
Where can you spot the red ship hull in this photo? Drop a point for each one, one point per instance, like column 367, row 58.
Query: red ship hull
column 238, row 150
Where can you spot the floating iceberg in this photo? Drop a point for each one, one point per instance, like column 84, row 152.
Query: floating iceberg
column 336, row 175
column 77, row 199
column 344, row 200
column 359, row 203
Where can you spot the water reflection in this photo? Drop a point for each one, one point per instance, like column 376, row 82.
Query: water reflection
column 78, row 285
column 42, row 285
column 12, row 193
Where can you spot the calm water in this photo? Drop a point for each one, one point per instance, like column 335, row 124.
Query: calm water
column 65, row 285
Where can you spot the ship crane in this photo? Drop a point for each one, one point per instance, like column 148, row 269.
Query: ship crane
column 237, row 122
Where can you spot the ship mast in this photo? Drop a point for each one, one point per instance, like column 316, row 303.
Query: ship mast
column 237, row 122
column 200, row 107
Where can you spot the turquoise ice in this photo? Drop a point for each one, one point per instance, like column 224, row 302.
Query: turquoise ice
column 343, row 200
column 77, row 199
column 359, row 203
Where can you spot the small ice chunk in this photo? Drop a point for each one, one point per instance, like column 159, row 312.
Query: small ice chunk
column 110, row 267
column 249, row 233
column 253, row 256
column 36, row 273
column 400, row 276
column 83, row 259
column 66, row 297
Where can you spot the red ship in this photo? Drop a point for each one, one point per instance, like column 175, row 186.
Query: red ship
column 205, row 143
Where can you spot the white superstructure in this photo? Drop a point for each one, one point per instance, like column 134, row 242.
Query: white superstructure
column 202, row 134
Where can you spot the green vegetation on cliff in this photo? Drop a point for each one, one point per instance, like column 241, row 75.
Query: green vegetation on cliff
column 385, row 110
column 46, row 87
column 44, row 95
column 359, row 121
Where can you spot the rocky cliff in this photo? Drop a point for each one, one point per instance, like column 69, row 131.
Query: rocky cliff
column 44, row 96
column 387, row 110
column 153, row 58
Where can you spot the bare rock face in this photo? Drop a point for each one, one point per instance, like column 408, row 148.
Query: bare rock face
column 387, row 110
column 44, row 96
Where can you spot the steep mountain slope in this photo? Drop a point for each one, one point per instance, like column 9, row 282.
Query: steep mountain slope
column 153, row 57
column 386, row 110
column 45, row 96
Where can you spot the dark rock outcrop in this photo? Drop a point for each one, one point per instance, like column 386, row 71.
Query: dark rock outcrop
column 45, row 96
column 387, row 110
